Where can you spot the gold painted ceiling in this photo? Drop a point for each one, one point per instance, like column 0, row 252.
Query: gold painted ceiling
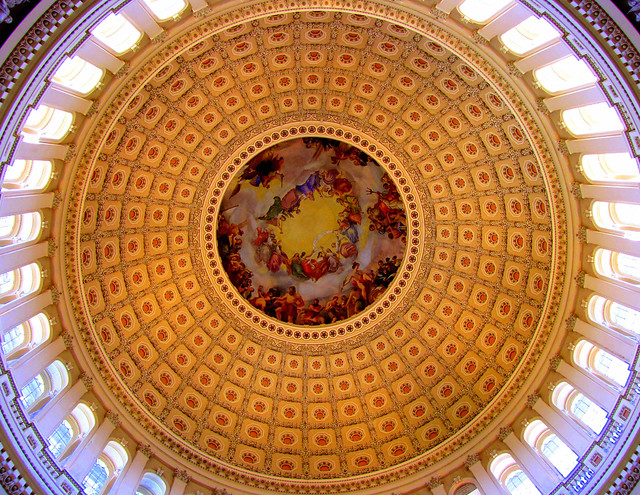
column 404, row 384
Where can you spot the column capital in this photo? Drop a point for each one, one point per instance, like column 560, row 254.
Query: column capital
column 113, row 418
column 182, row 475
column 471, row 460
column 86, row 380
column 504, row 432
column 532, row 399
column 145, row 450
column 434, row 482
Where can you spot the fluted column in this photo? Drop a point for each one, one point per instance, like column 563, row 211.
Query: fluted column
column 128, row 482
column 60, row 99
column 22, row 312
column 602, row 395
column 613, row 242
column 95, row 54
column 608, row 340
column 40, row 151
column 180, row 480
column 504, row 22
column 613, row 291
column 32, row 364
column 570, row 432
column 25, row 203
column 543, row 57
column 84, row 459
column 140, row 17
column 486, row 481
column 530, row 463
column 56, row 410
column 619, row 194
column 23, row 256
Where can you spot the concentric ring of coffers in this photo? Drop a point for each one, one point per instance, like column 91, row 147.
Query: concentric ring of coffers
column 443, row 358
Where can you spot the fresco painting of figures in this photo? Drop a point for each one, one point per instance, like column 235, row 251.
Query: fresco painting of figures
column 311, row 231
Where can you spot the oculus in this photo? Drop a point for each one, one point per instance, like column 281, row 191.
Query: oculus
column 311, row 231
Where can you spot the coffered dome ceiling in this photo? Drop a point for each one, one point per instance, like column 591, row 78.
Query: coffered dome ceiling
column 219, row 156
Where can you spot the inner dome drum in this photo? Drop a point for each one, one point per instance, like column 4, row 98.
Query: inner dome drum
column 311, row 231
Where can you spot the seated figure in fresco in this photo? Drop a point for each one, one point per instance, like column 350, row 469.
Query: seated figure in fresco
column 312, row 315
column 287, row 305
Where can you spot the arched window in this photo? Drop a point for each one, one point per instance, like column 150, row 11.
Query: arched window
column 617, row 266
column 96, row 479
column 566, row 398
column 32, row 391
column 151, row 484
column 566, row 74
column 165, row 9
column 467, row 489
column 60, row 438
column 541, row 439
column 47, row 124
column 511, row 476
column 618, row 217
column 613, row 315
column 105, row 470
column 116, row 32
column 529, row 35
column 13, row 339
column 15, row 229
column 27, row 175
column 26, row 336
column 44, row 387
column 601, row 363
column 78, row 75
column 598, row 118
column 610, row 167
column 481, row 11
column 19, row 282
column 71, row 431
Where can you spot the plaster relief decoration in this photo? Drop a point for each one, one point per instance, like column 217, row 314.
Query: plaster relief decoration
column 311, row 231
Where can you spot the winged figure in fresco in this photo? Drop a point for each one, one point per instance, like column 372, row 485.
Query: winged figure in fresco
column 260, row 171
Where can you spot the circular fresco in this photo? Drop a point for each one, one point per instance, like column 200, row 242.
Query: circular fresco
column 311, row 231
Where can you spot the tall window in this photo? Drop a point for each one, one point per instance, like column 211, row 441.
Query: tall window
column 511, row 476
column 78, row 75
column 27, row 175
column 589, row 413
column 543, row 440
column 619, row 217
column 165, row 9
column 33, row 390
column 13, row 339
column 564, row 75
column 601, row 363
column 610, row 167
column 96, row 479
column 598, row 118
column 117, row 33
column 528, row 35
column 151, row 484
column 613, row 315
column 481, row 11
column 60, row 438
column 47, row 124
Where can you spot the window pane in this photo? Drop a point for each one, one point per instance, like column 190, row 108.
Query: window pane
column 612, row 367
column 518, row 483
column 12, row 339
column 60, row 438
column 561, row 456
column 96, row 478
column 589, row 413
column 31, row 391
